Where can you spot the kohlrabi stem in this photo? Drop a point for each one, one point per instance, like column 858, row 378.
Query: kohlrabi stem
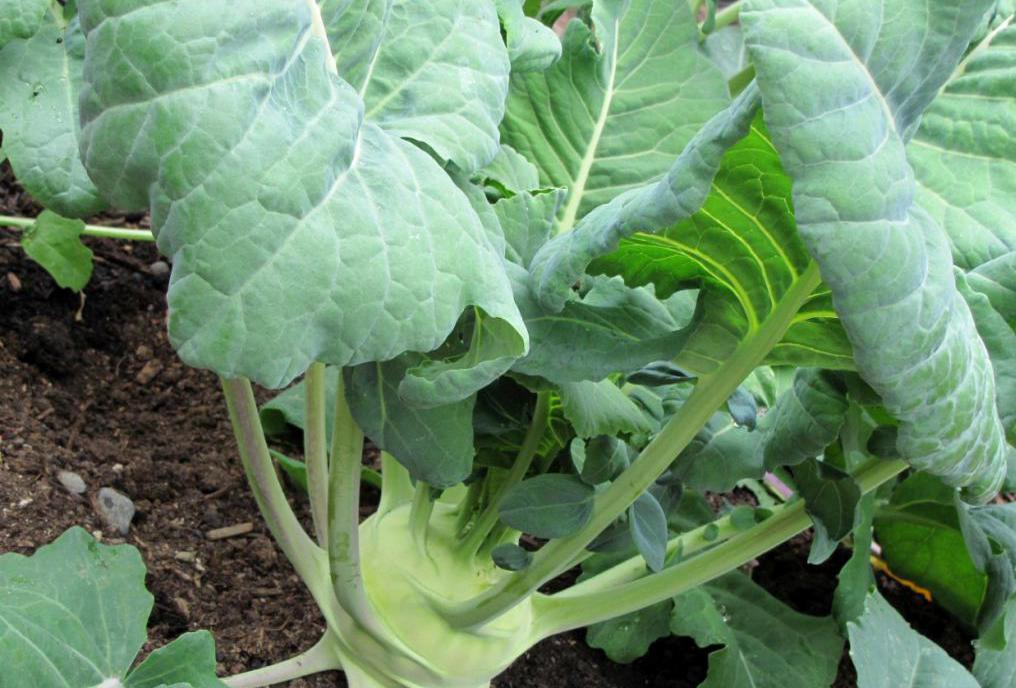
column 315, row 448
column 396, row 487
column 467, row 506
column 90, row 230
column 306, row 557
column 419, row 515
column 322, row 657
column 344, row 513
column 560, row 613
column 710, row 393
column 684, row 545
column 728, row 15
column 530, row 444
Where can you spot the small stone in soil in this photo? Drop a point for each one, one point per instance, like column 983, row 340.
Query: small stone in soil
column 159, row 268
column 149, row 371
column 13, row 282
column 72, row 482
column 115, row 509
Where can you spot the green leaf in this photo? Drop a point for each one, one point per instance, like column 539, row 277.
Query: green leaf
column 743, row 408
column 287, row 408
column 260, row 168
column 628, row 637
column 673, row 198
column 766, row 643
column 526, row 220
column 856, row 577
column 510, row 171
column 742, row 249
column 990, row 535
column 402, row 55
column 296, row 471
column 621, row 329
column 648, row 525
column 435, row 444
column 636, row 87
column 601, row 408
column 532, row 46
column 189, row 660
column 1000, row 340
column 963, row 156
column 511, row 557
column 888, row 653
column 830, row 498
column 40, row 78
column 922, row 541
column 599, row 459
column 548, row 506
column 74, row 614
column 886, row 262
column 20, row 18
column 54, row 242
column 806, row 419
column 721, row 455
column 995, row 668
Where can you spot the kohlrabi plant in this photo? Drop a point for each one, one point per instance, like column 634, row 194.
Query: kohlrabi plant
column 567, row 285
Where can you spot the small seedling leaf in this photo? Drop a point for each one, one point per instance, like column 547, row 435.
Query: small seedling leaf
column 511, row 557
column 648, row 525
column 54, row 242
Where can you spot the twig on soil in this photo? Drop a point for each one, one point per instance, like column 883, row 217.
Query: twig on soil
column 230, row 531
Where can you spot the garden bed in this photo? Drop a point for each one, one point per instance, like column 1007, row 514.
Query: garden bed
column 92, row 386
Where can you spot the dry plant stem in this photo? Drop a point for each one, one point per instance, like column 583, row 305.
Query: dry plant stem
column 560, row 613
column 344, row 514
column 530, row 444
column 709, row 394
column 315, row 448
column 306, row 557
column 90, row 230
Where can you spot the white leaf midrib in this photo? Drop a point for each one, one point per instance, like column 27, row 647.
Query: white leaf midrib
column 582, row 176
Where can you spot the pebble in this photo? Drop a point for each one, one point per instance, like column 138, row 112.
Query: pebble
column 13, row 282
column 72, row 482
column 116, row 509
column 149, row 371
column 159, row 268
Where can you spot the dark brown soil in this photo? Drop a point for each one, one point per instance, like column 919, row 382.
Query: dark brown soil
column 91, row 385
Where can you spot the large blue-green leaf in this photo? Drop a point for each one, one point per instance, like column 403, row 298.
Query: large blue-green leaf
column 40, row 78
column 649, row 208
column 297, row 230
column 888, row 653
column 74, row 615
column 766, row 644
column 435, row 72
column 20, row 18
column 885, row 260
column 964, row 155
column 620, row 104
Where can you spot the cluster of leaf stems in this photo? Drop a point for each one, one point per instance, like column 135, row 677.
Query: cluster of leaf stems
column 329, row 562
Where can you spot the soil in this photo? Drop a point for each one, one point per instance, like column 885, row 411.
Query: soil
column 90, row 385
